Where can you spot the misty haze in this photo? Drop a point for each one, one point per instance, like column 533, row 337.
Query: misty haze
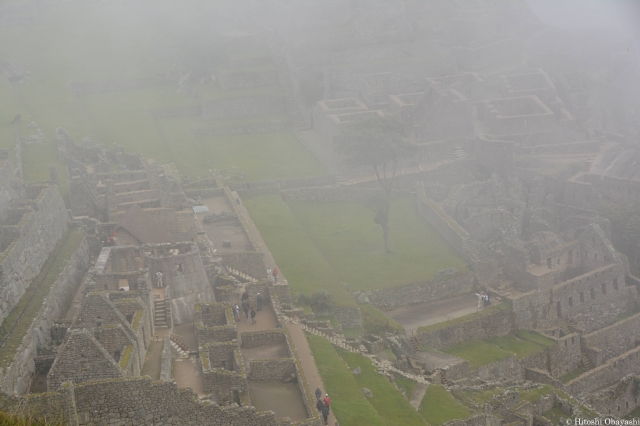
column 320, row 212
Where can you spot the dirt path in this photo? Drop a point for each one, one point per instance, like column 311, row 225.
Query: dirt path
column 308, row 363
column 418, row 394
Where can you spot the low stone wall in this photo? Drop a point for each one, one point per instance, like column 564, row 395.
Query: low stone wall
column 271, row 368
column 242, row 107
column 271, row 126
column 478, row 326
column 331, row 193
column 348, row 317
column 165, row 359
column 430, row 290
column 272, row 186
column 224, row 333
column 204, row 193
column 252, row 339
column 248, row 262
column 610, row 372
column 618, row 400
column 541, row 376
column 16, row 377
column 507, row 368
column 538, row 360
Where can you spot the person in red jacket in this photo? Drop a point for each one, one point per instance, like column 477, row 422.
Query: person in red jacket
column 327, row 402
column 275, row 274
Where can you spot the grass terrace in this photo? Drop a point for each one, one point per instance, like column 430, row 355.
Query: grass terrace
column 504, row 306
column 522, row 343
column 477, row 352
column 31, row 302
column 438, row 406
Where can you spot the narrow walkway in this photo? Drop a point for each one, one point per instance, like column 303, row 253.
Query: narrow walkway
column 418, row 393
column 308, row 363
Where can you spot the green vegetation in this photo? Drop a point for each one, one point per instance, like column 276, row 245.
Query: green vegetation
column 392, row 407
column 348, row 238
column 535, row 337
column 439, row 406
column 7, row 419
column 476, row 398
column 390, row 355
column 301, row 262
column 353, row 333
column 407, row 384
column 477, row 352
column 522, row 348
column 349, row 404
column 376, row 322
column 484, row 312
column 534, row 395
column 39, row 289
column 572, row 375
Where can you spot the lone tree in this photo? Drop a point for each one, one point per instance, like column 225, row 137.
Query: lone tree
column 379, row 142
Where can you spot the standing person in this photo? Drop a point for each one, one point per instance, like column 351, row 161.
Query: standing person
column 479, row 300
column 275, row 274
column 159, row 279
column 237, row 312
column 245, row 296
column 245, row 308
column 327, row 402
column 259, row 300
column 253, row 316
column 488, row 299
column 325, row 415
column 318, row 393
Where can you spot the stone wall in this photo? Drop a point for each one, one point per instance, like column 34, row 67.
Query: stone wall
column 564, row 357
column 613, row 340
column 154, row 402
column 165, row 359
column 223, row 333
column 617, row 400
column 430, row 290
column 242, row 107
column 271, row 369
column 248, row 262
column 252, row 339
column 507, row 368
column 16, row 377
column 348, row 317
column 611, row 371
column 40, row 228
column 484, row 325
column 271, row 126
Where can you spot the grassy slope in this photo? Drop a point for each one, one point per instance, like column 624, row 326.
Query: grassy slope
column 49, row 273
column 438, row 406
column 484, row 312
column 297, row 256
column 347, row 400
column 375, row 321
column 349, row 239
column 394, row 409
column 522, row 348
column 477, row 352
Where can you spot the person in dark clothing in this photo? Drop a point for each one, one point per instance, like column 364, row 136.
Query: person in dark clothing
column 325, row 415
column 259, row 300
column 327, row 402
column 318, row 393
column 245, row 295
column 320, row 406
column 245, row 308
column 253, row 316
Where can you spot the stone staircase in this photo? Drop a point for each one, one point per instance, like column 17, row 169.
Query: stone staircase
column 276, row 48
column 445, row 380
column 414, row 343
column 160, row 313
column 241, row 276
column 585, row 362
column 179, row 346
column 564, row 328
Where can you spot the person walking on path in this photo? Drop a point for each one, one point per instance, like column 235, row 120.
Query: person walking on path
column 325, row 415
column 245, row 295
column 479, row 300
column 237, row 312
column 253, row 316
column 319, row 393
column 275, row 274
column 320, row 405
column 327, row 402
column 259, row 300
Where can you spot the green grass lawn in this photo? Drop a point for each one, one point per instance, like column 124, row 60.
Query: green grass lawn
column 348, row 403
column 375, row 321
column 439, row 406
column 522, row 348
column 572, row 375
column 297, row 256
column 484, row 312
column 403, row 383
column 392, row 407
column 261, row 156
column 477, row 352
column 476, row 398
column 39, row 289
column 352, row 243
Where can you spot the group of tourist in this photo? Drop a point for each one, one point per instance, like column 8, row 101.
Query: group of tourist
column 247, row 308
column 484, row 299
column 323, row 406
